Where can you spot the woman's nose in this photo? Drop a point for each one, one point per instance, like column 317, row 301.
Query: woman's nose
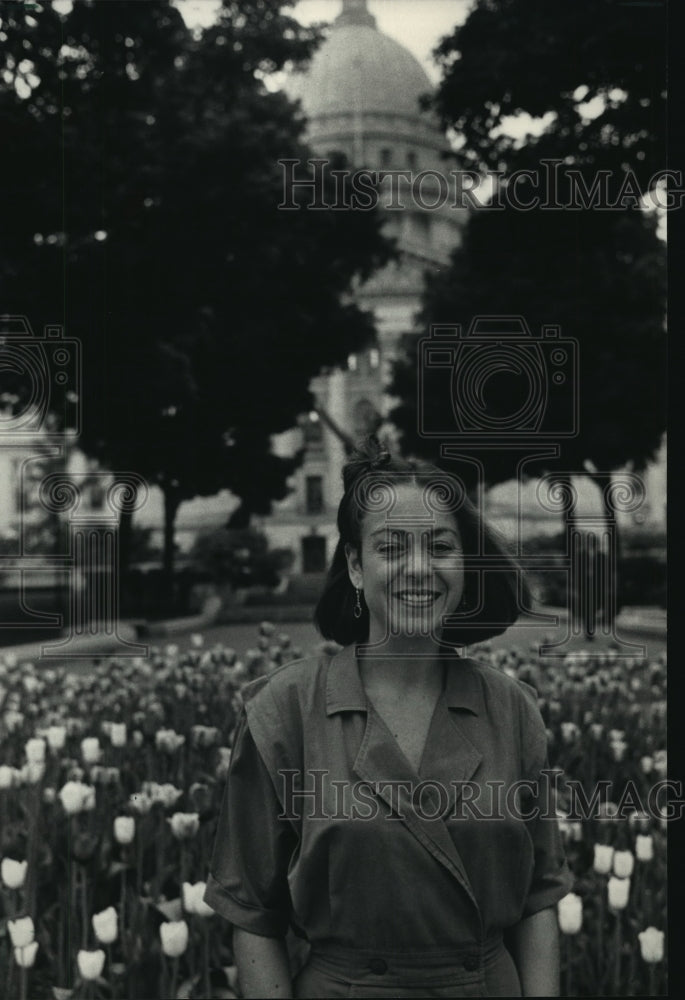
column 419, row 560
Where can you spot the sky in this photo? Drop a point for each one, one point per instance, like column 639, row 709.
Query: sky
column 416, row 24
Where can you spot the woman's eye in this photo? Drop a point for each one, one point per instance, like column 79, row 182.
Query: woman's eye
column 390, row 548
column 442, row 549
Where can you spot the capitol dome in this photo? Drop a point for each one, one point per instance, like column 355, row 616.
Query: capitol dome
column 361, row 93
column 360, row 68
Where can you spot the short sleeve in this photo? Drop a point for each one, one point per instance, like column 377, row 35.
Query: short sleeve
column 248, row 882
column 552, row 878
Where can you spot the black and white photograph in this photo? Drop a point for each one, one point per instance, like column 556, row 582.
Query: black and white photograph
column 333, row 499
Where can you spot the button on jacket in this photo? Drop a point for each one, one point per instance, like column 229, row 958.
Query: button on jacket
column 326, row 826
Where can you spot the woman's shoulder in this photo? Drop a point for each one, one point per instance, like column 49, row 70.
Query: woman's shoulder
column 514, row 703
column 295, row 683
column 506, row 690
column 277, row 707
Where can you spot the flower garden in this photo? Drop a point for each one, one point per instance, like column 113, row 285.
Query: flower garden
column 110, row 787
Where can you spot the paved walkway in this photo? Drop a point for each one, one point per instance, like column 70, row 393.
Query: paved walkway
column 644, row 626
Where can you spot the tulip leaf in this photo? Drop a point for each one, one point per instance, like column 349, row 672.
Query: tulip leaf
column 172, row 909
column 116, row 868
column 185, row 990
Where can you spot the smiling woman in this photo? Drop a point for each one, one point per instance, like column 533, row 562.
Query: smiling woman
column 350, row 812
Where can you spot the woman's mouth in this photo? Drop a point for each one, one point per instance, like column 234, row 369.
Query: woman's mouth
column 418, row 598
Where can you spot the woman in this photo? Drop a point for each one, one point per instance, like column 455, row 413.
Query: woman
column 386, row 802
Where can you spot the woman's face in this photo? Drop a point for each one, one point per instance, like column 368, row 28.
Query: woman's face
column 410, row 567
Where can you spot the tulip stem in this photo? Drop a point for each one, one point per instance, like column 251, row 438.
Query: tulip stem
column 115, row 991
column 22, row 983
column 652, row 980
column 174, row 978
column 84, row 908
column 10, row 971
column 569, row 964
column 139, row 866
column 205, row 957
column 617, row 954
column 600, row 943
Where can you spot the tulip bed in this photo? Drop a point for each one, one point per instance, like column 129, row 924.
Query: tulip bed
column 111, row 783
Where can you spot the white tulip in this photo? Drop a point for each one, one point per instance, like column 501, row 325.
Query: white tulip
column 35, row 751
column 91, row 963
column 174, row 937
column 193, row 899
column 26, row 956
column 105, row 925
column 56, row 737
column 117, row 734
column 124, row 829
column 604, row 856
column 651, row 945
column 13, row 873
column 618, row 890
column 22, row 931
column 644, row 847
column 76, row 797
column 570, row 913
column 624, row 862
column 90, row 750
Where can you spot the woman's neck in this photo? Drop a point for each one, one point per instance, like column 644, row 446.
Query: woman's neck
column 404, row 665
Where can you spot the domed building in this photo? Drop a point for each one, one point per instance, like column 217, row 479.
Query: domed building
column 361, row 96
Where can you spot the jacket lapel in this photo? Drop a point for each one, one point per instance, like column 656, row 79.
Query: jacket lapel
column 449, row 758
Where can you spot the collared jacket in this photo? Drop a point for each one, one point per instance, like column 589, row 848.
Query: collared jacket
column 326, row 826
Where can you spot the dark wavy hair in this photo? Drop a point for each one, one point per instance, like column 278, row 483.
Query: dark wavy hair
column 492, row 598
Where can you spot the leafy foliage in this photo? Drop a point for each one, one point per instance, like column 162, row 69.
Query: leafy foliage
column 143, row 163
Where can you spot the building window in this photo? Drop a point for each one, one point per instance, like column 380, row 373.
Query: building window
column 412, row 161
column 314, row 494
column 374, row 357
column 312, row 429
column 337, row 158
column 313, row 554
column 97, row 496
column 386, row 157
column 365, row 418
column 352, row 362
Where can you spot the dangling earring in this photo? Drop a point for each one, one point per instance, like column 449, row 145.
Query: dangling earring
column 358, row 606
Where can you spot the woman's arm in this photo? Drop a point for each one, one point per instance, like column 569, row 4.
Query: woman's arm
column 534, row 944
column 263, row 967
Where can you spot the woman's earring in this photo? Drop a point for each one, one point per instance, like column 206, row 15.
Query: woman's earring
column 358, row 605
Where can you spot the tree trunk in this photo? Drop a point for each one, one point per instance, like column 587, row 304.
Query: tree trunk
column 125, row 537
column 172, row 502
column 613, row 604
column 573, row 601
column 348, row 443
column 240, row 518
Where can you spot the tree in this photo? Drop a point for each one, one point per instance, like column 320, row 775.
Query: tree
column 512, row 57
column 154, row 235
column 600, row 278
column 599, row 275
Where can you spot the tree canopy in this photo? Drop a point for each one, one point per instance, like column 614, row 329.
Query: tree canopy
column 598, row 275
column 142, row 159
column 553, row 59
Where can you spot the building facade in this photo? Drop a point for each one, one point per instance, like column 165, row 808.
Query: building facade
column 361, row 96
